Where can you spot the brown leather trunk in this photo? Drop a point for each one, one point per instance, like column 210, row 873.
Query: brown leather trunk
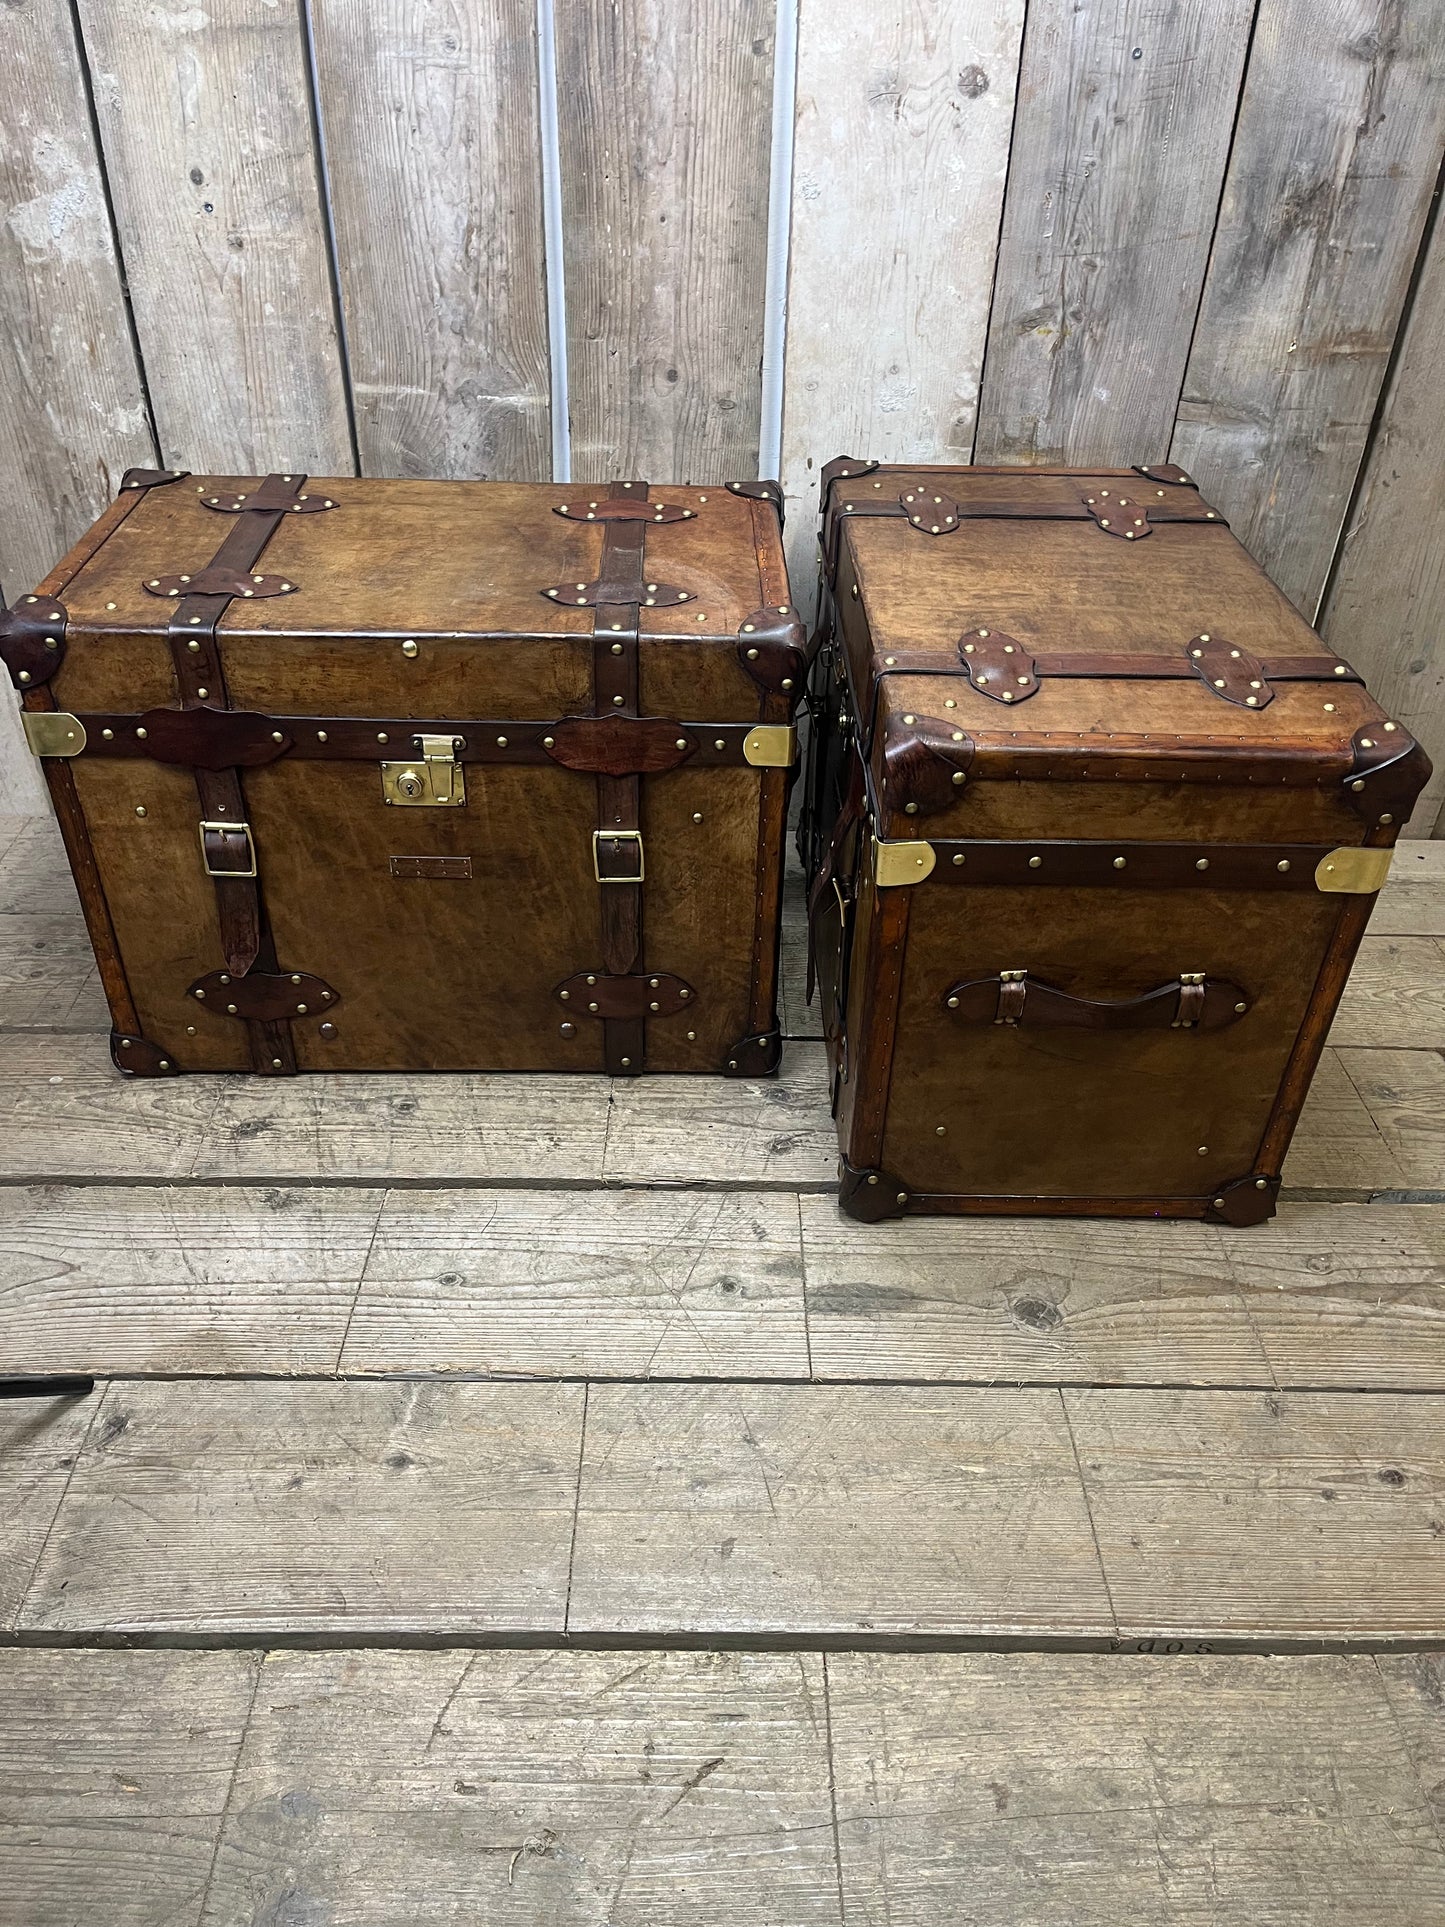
column 384, row 775
column 1094, row 824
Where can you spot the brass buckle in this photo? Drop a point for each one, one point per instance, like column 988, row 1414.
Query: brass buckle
column 617, row 836
column 231, row 829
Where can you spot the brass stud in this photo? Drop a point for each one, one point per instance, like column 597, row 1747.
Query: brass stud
column 321, row 736
column 1201, row 863
column 301, row 1010
column 549, row 742
column 910, row 809
column 190, row 1030
column 958, row 776
column 1240, row 1009
column 1387, row 818
column 1204, row 1150
column 1261, row 1184
column 752, row 655
column 1120, row 862
column 193, row 645
column 592, row 1007
column 903, row 1197
column 959, row 858
column 1390, row 726
column 231, row 1008
column 1035, row 862
column 718, row 743
column 940, row 1130
column 697, row 816
column 202, row 995
column 565, row 995
column 692, row 1037
column 873, row 1179
column 787, row 682
column 277, row 737
column 684, row 993
column 627, row 1063
column 109, row 735
column 24, row 676
column 203, row 692
column 276, row 1063
column 140, row 809
column 953, row 1003
column 617, row 648
column 164, row 1064
column 408, row 648
column 1358, row 784
column 1283, row 863
column 617, row 702
column 501, row 742
column 654, row 1006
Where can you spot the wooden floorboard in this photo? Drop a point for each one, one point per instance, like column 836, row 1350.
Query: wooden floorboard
column 1267, row 1516
column 40, row 1439
column 1087, row 1791
column 114, row 1775
column 1404, row 1093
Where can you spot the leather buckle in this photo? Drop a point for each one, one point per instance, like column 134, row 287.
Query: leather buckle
column 608, row 863
column 219, row 852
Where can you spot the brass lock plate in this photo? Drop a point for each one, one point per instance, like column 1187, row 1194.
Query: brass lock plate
column 431, row 780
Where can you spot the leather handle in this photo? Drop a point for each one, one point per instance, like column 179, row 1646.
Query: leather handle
column 1191, row 1001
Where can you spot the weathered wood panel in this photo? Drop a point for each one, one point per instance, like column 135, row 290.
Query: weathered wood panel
column 665, row 114
column 1415, row 1683
column 429, row 110
column 1404, row 1092
column 205, row 119
column 535, row 1789
column 1393, row 999
column 902, row 139
column 114, row 1773
column 1120, row 139
column 620, row 1284
column 39, row 1439
column 1078, row 1790
column 1267, row 1517
column 72, row 413
column 1413, row 904
column 221, row 1505
column 1330, row 177
column 1386, row 606
column 164, row 1279
column 806, row 1510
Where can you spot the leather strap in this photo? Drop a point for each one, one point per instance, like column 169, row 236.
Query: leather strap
column 1190, row 1002
column 619, row 798
column 200, row 680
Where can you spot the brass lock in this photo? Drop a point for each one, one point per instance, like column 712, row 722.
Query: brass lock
column 432, row 780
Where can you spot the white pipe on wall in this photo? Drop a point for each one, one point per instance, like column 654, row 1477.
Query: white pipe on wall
column 552, row 239
column 780, row 213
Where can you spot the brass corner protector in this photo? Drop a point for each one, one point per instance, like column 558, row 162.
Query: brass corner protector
column 897, row 864
column 1354, row 871
column 53, row 732
column 771, row 746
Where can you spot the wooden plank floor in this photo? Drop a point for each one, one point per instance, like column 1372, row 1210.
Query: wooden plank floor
column 677, row 1548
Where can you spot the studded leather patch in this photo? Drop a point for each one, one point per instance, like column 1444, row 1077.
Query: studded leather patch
column 929, row 511
column 205, row 738
column 612, row 509
column 1229, row 672
column 138, row 1057
column 998, row 665
column 267, row 497
column 263, row 996
column 227, row 582
column 619, row 745
column 594, row 595
column 1169, row 472
column 1119, row 512
column 634, row 994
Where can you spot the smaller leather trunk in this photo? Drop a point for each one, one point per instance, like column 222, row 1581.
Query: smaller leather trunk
column 1094, row 823
column 401, row 775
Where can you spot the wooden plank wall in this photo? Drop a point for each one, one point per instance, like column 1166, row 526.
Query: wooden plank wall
column 310, row 233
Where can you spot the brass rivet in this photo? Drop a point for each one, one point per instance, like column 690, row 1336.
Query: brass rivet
column 1240, row 1009
column 140, row 809
column 953, row 1003
column 1034, row 862
column 617, row 702
column 569, row 1030
column 203, row 692
column 277, row 737
column 164, row 1064
column 202, row 995
column 1283, row 863
column 627, row 1063
column 1201, row 863
column 1387, row 818
column 1119, row 862
column 718, row 743
column 190, row 1030
column 24, row 676
column 959, row 857
column 903, row 1197
column 382, row 736
column 983, row 632
column 408, row 648
column 958, row 776
column 617, row 648
column 109, row 735
column 1204, row 1150
column 889, row 661
column 549, row 742
column 940, row 1130
column 1358, row 784
column 501, row 742
column 692, row 1037
column 654, row 1006
column 697, row 816
column 1390, row 726
column 275, row 1063
column 592, row 1006
column 684, row 993
column 193, row 644
column 680, row 743
column 1261, row 1184
column 321, row 736
column 231, row 1008
column 911, row 809
column 301, row 1010
column 752, row 655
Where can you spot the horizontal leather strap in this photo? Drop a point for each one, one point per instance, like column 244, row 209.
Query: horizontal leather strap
column 221, row 739
column 1117, row 666
column 1193, row 1002
column 1128, row 866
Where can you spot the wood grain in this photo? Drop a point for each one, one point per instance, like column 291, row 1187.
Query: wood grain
column 1079, row 1790
column 1120, row 141
column 1393, row 998
column 223, row 1507
column 67, row 1113
column 1330, row 176
column 635, row 1284
column 205, row 119
column 1415, row 1683
column 776, row 1130
column 1404, row 1092
column 664, row 120
column 1413, row 902
column 72, row 412
column 151, row 1279
column 48, row 979
column 1267, row 1517
column 641, row 1789
column 39, row 1440
column 430, row 116
column 809, row 1510
column 902, row 131
column 1339, row 1148
column 114, row 1773
column 1386, row 605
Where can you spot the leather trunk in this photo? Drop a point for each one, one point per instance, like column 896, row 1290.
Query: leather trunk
column 399, row 775
column 1094, row 824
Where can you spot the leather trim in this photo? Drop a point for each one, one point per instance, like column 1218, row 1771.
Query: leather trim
column 143, row 478
column 1245, row 1201
column 1388, row 772
column 137, row 1056
column 32, row 639
column 772, row 649
column 757, row 1056
column 619, row 745
column 1128, row 866
column 207, row 738
column 610, row 510
column 636, row 995
column 265, row 996
column 1013, row 997
column 870, row 1195
column 214, row 581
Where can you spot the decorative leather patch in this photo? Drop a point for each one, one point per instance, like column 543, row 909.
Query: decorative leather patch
column 757, row 1056
column 1118, row 513
column 139, row 1057
column 1390, row 770
column 998, row 665
column 152, row 477
column 929, row 511
column 619, row 745
column 1169, row 472
column 634, row 995
column 204, row 738
column 1013, row 997
column 772, row 648
column 1244, row 1202
column 610, row 509
column 926, row 763
column 1229, row 672
column 431, row 866
column 641, row 595
column 32, row 640
column 263, row 996
column 213, row 581
column 269, row 496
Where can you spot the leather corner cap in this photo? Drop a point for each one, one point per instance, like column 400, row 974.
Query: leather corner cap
column 925, row 763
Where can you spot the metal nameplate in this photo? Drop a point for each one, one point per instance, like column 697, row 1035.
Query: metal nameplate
column 53, row 732
column 431, row 866
column 1354, row 872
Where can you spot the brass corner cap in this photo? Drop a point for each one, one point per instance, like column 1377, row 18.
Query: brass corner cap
column 1354, row 871
column 897, row 864
column 771, row 746
column 53, row 732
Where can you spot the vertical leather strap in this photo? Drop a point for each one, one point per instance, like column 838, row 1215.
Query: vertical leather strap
column 201, row 682
column 619, row 798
